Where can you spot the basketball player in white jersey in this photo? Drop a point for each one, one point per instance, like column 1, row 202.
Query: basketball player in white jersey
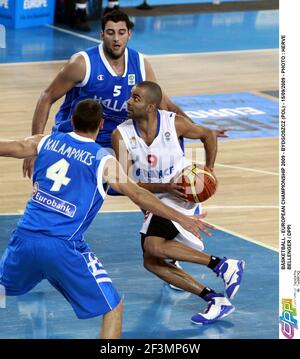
column 151, row 139
column 107, row 73
column 48, row 242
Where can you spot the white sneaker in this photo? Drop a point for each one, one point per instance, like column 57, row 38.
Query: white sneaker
column 218, row 307
column 231, row 271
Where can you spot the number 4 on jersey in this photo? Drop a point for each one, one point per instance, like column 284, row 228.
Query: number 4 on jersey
column 57, row 173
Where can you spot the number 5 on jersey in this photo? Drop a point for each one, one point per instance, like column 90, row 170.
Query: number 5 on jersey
column 57, row 173
column 117, row 90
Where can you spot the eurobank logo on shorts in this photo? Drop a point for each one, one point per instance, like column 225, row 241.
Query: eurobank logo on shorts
column 34, row 4
column 288, row 318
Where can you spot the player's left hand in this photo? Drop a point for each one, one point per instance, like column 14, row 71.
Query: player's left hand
column 194, row 224
column 28, row 164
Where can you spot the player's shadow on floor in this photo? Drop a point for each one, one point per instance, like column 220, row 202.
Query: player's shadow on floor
column 32, row 308
column 157, row 320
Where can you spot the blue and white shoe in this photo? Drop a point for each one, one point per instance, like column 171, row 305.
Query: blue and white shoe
column 218, row 307
column 231, row 271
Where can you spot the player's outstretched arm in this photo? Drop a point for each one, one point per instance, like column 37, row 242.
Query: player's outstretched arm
column 20, row 148
column 69, row 76
column 120, row 182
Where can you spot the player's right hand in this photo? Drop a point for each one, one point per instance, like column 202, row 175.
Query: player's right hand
column 194, row 224
column 28, row 164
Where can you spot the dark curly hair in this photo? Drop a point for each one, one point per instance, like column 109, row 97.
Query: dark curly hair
column 116, row 16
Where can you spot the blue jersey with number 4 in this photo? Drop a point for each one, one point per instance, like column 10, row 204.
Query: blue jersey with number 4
column 68, row 187
column 103, row 84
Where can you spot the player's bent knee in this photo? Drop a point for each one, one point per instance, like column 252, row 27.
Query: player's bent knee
column 150, row 264
column 153, row 247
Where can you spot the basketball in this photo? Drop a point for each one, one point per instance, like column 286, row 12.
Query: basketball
column 198, row 182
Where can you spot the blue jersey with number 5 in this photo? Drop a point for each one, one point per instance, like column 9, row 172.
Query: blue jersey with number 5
column 103, row 84
column 68, row 187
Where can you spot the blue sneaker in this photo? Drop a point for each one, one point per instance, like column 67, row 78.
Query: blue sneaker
column 231, row 271
column 218, row 307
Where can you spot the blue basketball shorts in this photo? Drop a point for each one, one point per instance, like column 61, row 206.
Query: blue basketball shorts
column 69, row 266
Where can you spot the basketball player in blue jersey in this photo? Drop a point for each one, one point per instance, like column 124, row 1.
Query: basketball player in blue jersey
column 151, row 139
column 48, row 242
column 106, row 73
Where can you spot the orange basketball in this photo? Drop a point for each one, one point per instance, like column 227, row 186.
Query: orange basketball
column 198, row 182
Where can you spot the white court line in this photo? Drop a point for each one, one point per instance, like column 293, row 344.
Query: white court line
column 244, row 237
column 214, row 53
column 33, row 63
column 21, row 212
column 248, row 169
column 136, row 210
column 164, row 55
column 217, row 227
column 69, row 32
column 146, row 55
column 117, row 210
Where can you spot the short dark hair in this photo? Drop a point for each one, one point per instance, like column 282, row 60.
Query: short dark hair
column 87, row 116
column 116, row 16
column 153, row 91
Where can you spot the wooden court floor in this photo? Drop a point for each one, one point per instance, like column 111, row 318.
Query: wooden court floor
column 247, row 199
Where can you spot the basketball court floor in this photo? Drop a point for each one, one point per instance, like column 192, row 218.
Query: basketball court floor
column 222, row 69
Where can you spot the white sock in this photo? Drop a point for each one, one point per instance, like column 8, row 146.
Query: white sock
column 112, row 4
column 79, row 6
